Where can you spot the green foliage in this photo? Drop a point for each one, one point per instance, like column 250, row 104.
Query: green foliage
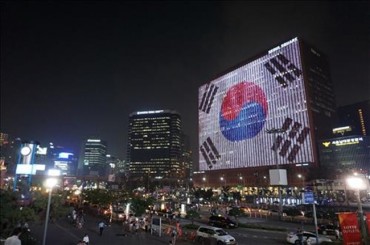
column 27, row 239
column 192, row 214
column 11, row 214
column 139, row 206
column 98, row 196
column 236, row 195
column 57, row 208
column 205, row 194
column 235, row 212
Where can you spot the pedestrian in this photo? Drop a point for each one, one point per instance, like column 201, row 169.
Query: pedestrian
column 137, row 226
column 101, row 227
column 174, row 235
column 14, row 239
column 86, row 239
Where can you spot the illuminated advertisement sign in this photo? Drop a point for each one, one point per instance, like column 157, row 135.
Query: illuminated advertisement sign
column 64, row 155
column 237, row 109
column 343, row 142
column 29, row 168
column 41, row 150
column 62, row 165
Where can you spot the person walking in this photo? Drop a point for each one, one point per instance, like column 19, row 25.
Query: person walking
column 101, row 227
column 14, row 239
column 174, row 236
column 86, row 239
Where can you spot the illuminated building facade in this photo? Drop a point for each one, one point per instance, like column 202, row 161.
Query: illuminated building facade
column 94, row 159
column 288, row 88
column 154, row 146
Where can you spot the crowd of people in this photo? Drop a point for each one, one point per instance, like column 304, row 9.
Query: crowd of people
column 77, row 217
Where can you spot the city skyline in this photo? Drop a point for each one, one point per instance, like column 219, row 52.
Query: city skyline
column 70, row 71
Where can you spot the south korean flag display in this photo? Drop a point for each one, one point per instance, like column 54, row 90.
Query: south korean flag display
column 236, row 110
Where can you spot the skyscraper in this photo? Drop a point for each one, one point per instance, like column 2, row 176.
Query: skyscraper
column 154, row 146
column 94, row 159
column 357, row 117
column 286, row 90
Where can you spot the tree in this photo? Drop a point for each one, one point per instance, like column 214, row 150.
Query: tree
column 57, row 208
column 98, row 196
column 235, row 212
column 12, row 214
column 139, row 206
column 192, row 214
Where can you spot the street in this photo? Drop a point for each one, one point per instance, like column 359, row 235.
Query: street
column 64, row 233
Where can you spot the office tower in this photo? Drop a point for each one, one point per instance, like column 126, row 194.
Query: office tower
column 265, row 113
column 354, row 119
column 154, row 146
column 186, row 162
column 94, row 159
column 345, row 154
column 349, row 150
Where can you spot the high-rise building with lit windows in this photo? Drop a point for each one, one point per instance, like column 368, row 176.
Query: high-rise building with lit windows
column 94, row 159
column 154, row 146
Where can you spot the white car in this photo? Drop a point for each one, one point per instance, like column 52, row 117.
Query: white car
column 307, row 238
column 210, row 232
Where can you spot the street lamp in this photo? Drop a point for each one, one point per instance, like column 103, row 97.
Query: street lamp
column 300, row 176
column 204, row 182
column 275, row 131
column 50, row 183
column 357, row 183
column 241, row 180
column 223, row 179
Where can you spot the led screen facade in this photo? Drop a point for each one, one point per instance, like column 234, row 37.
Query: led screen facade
column 237, row 109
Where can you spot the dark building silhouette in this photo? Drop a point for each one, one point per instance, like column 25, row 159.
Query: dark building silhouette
column 356, row 117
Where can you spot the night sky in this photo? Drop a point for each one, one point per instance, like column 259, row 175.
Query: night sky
column 71, row 70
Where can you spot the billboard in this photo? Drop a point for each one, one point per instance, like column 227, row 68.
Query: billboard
column 237, row 109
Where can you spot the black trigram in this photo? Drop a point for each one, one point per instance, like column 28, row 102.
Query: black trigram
column 207, row 99
column 288, row 72
column 209, row 152
column 296, row 134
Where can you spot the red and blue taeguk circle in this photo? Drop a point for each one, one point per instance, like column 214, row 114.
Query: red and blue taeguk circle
column 243, row 111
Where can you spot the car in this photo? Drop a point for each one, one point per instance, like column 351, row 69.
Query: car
column 328, row 229
column 221, row 221
column 307, row 238
column 104, row 211
column 118, row 215
column 210, row 232
column 319, row 215
column 293, row 212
